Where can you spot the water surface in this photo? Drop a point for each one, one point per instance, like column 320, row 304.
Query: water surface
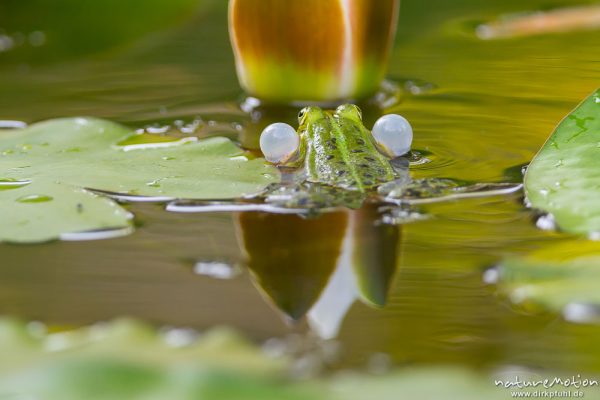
column 488, row 108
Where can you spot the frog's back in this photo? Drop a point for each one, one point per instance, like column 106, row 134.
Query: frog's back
column 341, row 153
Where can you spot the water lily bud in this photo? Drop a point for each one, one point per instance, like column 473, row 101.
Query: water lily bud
column 312, row 50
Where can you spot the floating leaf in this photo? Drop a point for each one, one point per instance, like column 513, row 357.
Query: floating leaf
column 564, row 178
column 43, row 169
column 128, row 360
column 47, row 210
column 554, row 277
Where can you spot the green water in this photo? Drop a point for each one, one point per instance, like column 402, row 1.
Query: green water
column 494, row 105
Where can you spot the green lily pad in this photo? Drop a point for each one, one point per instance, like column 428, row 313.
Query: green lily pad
column 554, row 277
column 44, row 169
column 126, row 359
column 564, row 178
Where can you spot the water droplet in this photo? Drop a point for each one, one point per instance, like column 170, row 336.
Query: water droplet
column 37, row 329
column 12, row 125
column 6, row 43
column 379, row 363
column 239, row 158
column 581, row 313
column 179, row 337
column 168, row 158
column 217, row 270
column 155, row 183
column 190, row 128
column 250, row 104
column 546, row 223
column 9, row 183
column 401, row 215
column 156, row 130
column 37, row 38
column 35, row 198
column 491, row 276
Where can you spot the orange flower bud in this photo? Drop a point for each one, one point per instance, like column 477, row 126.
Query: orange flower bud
column 312, row 50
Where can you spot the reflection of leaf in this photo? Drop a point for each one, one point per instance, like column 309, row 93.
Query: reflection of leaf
column 564, row 178
column 555, row 276
column 83, row 153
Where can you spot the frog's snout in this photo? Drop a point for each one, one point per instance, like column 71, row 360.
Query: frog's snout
column 393, row 135
column 279, row 143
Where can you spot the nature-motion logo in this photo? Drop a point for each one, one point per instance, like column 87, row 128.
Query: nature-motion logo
column 529, row 385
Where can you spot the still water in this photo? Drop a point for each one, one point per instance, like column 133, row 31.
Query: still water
column 415, row 292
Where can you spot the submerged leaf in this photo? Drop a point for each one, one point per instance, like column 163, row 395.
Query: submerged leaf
column 43, row 169
column 555, row 277
column 564, row 178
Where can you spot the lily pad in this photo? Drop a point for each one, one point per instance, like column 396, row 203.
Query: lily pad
column 561, row 278
column 45, row 168
column 564, row 178
column 126, row 359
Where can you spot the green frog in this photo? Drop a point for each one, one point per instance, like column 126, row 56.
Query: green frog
column 337, row 150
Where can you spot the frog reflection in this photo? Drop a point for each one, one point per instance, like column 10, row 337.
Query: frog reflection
column 318, row 267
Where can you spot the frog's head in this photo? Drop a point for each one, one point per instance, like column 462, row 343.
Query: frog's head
column 281, row 144
column 350, row 112
column 309, row 115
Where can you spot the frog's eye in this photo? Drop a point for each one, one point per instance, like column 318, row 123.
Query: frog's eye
column 279, row 143
column 302, row 115
column 393, row 135
column 350, row 111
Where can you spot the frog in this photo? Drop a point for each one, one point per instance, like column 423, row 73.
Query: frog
column 335, row 149
column 343, row 164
